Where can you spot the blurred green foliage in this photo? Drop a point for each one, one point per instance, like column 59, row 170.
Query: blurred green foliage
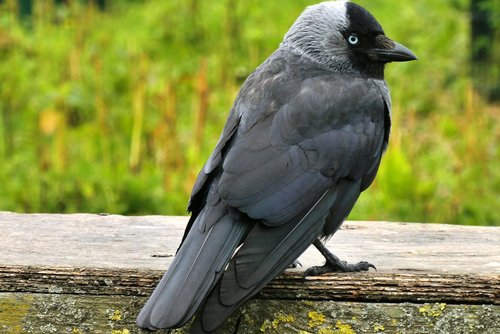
column 116, row 111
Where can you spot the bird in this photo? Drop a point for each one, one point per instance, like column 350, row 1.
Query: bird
column 304, row 137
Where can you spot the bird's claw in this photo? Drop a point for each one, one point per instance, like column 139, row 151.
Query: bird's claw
column 337, row 267
column 360, row 266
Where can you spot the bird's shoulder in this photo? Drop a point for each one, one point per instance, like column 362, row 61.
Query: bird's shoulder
column 289, row 84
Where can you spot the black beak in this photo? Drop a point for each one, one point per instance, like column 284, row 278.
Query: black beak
column 387, row 50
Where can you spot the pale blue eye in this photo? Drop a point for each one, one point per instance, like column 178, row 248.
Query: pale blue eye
column 353, row 39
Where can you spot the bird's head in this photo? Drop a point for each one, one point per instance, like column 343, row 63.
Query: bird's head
column 345, row 37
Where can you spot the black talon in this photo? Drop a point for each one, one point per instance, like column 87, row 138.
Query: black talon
column 334, row 264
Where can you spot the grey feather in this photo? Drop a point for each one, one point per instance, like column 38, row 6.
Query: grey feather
column 183, row 287
column 232, row 292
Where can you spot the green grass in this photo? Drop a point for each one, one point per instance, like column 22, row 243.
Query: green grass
column 117, row 111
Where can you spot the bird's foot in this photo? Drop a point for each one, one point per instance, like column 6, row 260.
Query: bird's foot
column 334, row 264
column 338, row 266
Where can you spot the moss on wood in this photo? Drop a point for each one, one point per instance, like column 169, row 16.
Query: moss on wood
column 324, row 317
column 78, row 314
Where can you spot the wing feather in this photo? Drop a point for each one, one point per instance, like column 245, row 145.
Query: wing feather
column 229, row 294
column 308, row 138
column 316, row 149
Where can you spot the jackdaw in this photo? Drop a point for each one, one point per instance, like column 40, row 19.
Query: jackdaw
column 304, row 138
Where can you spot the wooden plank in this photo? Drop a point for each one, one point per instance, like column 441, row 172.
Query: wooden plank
column 84, row 240
column 92, row 273
column 149, row 242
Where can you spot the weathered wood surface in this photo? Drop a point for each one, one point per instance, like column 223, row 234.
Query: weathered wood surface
column 368, row 287
column 91, row 273
column 56, row 313
column 149, row 242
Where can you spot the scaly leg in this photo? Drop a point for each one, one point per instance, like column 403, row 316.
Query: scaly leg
column 334, row 264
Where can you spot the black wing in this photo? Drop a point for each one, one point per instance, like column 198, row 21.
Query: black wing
column 332, row 128
column 298, row 173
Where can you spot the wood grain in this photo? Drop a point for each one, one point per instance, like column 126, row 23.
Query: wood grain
column 87, row 273
column 149, row 242
column 367, row 287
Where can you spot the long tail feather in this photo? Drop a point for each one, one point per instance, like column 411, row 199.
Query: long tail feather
column 195, row 270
